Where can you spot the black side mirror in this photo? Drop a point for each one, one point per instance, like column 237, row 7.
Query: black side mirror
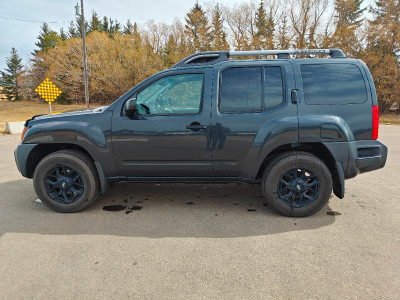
column 130, row 107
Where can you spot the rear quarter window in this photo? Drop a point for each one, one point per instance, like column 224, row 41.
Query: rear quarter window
column 333, row 84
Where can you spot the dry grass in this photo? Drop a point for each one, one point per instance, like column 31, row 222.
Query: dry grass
column 23, row 110
column 389, row 119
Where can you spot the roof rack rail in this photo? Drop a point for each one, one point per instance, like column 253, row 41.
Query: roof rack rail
column 219, row 56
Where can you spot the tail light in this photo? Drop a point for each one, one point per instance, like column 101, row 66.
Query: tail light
column 23, row 132
column 375, row 122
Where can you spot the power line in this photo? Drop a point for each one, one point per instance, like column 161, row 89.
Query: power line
column 32, row 21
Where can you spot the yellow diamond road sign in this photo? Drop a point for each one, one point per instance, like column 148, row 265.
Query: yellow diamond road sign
column 48, row 91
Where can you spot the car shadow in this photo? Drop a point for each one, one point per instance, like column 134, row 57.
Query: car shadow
column 155, row 211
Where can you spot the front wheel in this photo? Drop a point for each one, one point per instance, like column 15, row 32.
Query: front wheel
column 66, row 181
column 297, row 184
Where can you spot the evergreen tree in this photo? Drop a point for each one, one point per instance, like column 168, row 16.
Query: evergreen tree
column 387, row 19
column 348, row 19
column 137, row 39
column 106, row 26
column 348, row 12
column 95, row 23
column 265, row 28
column 47, row 39
column 10, row 76
column 63, row 35
column 72, row 31
column 169, row 52
column 51, row 40
column 218, row 35
column 115, row 26
column 128, row 28
column 270, row 32
column 44, row 30
column 79, row 27
column 259, row 40
column 197, row 28
column 283, row 38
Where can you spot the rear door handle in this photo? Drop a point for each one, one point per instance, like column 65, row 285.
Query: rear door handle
column 196, row 126
column 294, row 96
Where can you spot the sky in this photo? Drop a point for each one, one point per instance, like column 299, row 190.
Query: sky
column 22, row 35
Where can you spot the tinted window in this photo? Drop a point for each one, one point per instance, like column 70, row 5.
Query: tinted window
column 240, row 90
column 333, row 84
column 273, row 87
column 175, row 94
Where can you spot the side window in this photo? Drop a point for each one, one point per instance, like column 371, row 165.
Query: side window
column 240, row 90
column 333, row 84
column 175, row 94
column 273, row 87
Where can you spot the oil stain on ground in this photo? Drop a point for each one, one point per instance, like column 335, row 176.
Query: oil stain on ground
column 333, row 213
column 135, row 207
column 116, row 207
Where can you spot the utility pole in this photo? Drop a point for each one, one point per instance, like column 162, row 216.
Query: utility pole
column 82, row 15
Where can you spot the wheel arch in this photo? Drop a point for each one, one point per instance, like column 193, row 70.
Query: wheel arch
column 317, row 149
column 42, row 150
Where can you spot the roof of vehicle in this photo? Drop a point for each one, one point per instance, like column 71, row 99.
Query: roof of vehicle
column 212, row 58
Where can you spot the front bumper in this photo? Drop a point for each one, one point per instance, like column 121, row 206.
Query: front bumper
column 21, row 154
column 358, row 156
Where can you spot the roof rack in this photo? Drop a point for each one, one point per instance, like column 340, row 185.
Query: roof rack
column 219, row 56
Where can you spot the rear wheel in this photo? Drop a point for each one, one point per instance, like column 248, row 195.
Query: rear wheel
column 66, row 181
column 297, row 184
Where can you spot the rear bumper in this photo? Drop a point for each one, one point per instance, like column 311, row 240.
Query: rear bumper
column 358, row 156
column 21, row 154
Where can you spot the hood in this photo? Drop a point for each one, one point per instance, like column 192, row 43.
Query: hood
column 69, row 114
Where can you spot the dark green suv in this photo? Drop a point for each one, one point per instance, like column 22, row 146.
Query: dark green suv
column 297, row 126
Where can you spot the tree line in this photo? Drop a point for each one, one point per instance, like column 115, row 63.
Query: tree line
column 122, row 55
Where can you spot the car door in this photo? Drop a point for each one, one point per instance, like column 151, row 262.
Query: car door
column 168, row 135
column 253, row 113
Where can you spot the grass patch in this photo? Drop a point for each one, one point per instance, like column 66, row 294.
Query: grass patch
column 22, row 110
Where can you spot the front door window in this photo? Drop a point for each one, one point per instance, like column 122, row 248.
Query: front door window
column 175, row 94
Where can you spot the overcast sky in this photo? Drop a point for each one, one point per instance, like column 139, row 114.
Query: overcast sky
column 22, row 35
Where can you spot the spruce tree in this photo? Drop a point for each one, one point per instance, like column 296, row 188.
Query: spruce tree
column 72, row 31
column 218, row 35
column 128, row 28
column 10, row 76
column 63, row 35
column 44, row 30
column 105, row 23
column 95, row 23
column 259, row 40
column 197, row 28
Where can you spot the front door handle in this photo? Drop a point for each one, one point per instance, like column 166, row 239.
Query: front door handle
column 196, row 126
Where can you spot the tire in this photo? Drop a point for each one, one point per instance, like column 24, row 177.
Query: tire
column 66, row 181
column 297, row 184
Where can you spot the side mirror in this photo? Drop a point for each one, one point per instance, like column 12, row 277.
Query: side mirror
column 130, row 107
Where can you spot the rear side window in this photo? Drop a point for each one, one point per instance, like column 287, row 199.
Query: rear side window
column 251, row 89
column 240, row 90
column 333, row 84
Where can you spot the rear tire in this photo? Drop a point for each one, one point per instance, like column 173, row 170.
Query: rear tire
column 66, row 181
column 297, row 184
